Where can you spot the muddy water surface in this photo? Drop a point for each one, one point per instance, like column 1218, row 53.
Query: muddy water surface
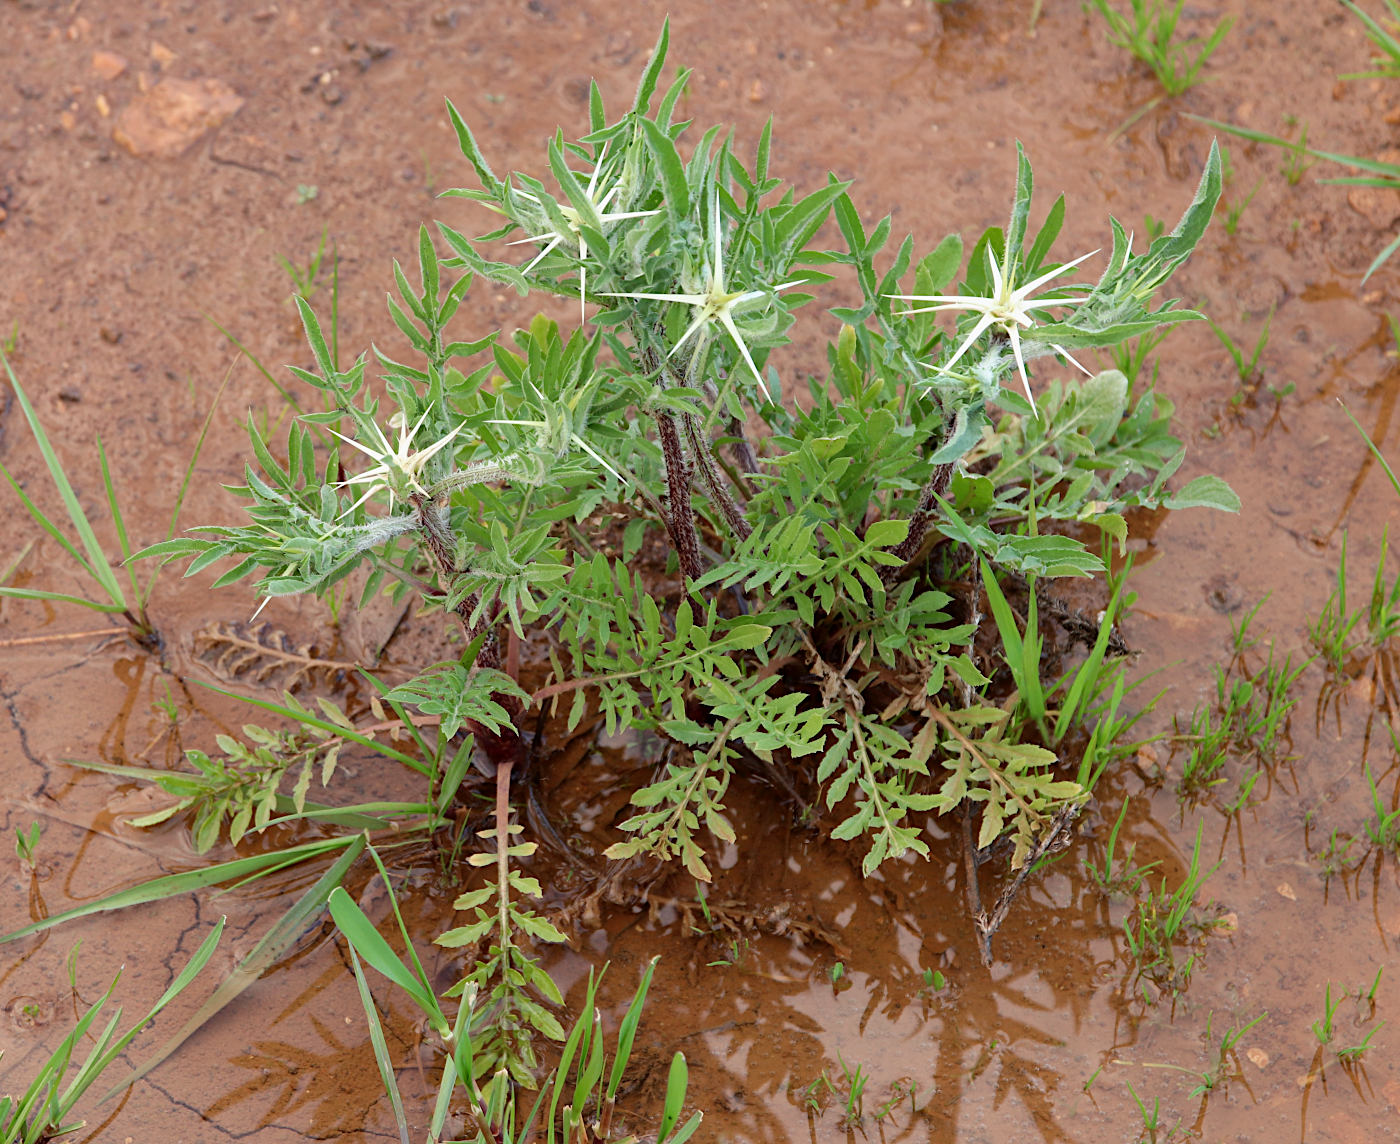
column 109, row 262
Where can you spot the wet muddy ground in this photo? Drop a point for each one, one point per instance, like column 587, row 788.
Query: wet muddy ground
column 114, row 255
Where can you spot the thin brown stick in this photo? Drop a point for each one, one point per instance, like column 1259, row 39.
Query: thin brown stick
column 974, row 891
column 22, row 641
column 1052, row 840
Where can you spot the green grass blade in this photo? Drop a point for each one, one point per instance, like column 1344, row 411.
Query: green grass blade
column 1390, row 248
column 381, row 1050
column 282, row 391
column 453, row 774
column 359, row 816
column 285, row 932
column 627, row 1031
column 420, row 973
column 189, row 474
column 1087, row 675
column 173, row 885
column 443, row 1104
column 120, row 521
column 1005, row 621
column 61, row 598
column 1022, row 655
column 189, row 973
column 60, row 1104
column 676, row 1083
column 97, row 564
column 686, row 1130
column 576, row 1044
column 42, row 519
column 1389, row 472
column 362, row 934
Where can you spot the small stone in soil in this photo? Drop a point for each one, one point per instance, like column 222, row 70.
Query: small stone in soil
column 164, row 121
column 108, row 65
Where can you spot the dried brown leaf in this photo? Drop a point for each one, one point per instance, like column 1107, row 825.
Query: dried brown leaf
column 266, row 656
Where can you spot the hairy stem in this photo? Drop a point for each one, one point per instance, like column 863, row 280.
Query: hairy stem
column 680, row 515
column 909, row 548
column 504, row 748
column 714, row 483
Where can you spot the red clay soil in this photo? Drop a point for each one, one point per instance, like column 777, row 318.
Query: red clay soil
column 156, row 158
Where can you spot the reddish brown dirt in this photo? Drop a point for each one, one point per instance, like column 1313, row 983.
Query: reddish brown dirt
column 109, row 264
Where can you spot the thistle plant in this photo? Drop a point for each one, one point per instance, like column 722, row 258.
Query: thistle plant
column 822, row 621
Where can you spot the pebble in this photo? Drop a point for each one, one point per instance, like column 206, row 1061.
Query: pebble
column 164, row 121
column 108, row 65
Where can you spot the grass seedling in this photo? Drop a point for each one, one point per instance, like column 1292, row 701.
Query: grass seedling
column 1161, row 921
column 1325, row 1029
column 900, row 1091
column 1297, row 157
column 815, row 1095
column 1023, row 650
column 26, row 841
column 44, row 1111
column 110, row 597
column 1249, row 717
column 1383, row 829
column 306, row 279
column 88, row 553
column 1355, row 642
column 1129, row 357
column 1151, row 1121
column 1387, row 64
column 1340, row 856
column 1352, row 1055
column 1127, row 879
column 854, row 1082
column 1246, row 369
column 11, row 342
column 1217, row 1075
column 1233, row 211
column 1331, row 631
column 1149, row 31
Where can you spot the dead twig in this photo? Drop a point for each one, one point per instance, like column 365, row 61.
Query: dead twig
column 1053, row 840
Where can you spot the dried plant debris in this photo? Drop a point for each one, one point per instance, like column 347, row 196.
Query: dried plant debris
column 266, row 656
